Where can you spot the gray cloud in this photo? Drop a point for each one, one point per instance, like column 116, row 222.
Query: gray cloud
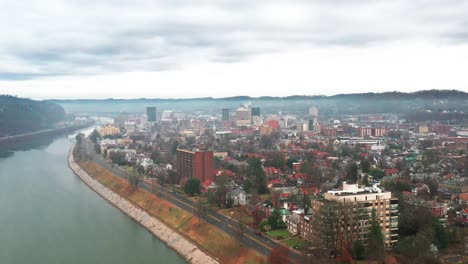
column 55, row 38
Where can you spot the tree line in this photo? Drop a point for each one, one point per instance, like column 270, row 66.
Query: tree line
column 19, row 115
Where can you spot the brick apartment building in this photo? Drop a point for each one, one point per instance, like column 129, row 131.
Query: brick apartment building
column 197, row 164
column 373, row 131
column 439, row 128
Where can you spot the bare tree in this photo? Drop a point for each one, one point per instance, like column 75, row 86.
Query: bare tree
column 275, row 197
column 242, row 222
column 201, row 208
column 153, row 186
column 279, row 255
column 133, row 180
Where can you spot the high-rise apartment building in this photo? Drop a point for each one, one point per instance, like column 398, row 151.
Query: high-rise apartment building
column 373, row 131
column 369, row 199
column 255, row 111
column 151, row 114
column 347, row 214
column 197, row 164
column 364, row 131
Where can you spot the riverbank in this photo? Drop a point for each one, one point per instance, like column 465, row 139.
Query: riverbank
column 172, row 239
column 41, row 134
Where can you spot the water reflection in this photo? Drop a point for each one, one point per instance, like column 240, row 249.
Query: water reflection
column 5, row 153
column 8, row 149
column 48, row 215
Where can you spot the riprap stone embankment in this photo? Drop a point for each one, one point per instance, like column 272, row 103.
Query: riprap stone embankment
column 171, row 238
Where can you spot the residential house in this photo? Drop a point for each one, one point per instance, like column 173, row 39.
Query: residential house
column 294, row 222
column 238, row 196
column 207, row 185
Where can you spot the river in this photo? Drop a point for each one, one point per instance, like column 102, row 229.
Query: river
column 47, row 215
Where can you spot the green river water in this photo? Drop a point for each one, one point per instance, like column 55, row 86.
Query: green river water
column 47, row 215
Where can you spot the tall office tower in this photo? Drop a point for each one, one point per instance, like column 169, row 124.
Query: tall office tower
column 225, row 114
column 313, row 112
column 310, row 125
column 255, row 111
column 151, row 114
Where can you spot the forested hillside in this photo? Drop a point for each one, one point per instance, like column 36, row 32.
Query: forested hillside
column 19, row 115
column 436, row 101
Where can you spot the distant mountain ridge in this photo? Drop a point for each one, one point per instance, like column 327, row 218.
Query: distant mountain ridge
column 423, row 94
column 341, row 104
column 20, row 115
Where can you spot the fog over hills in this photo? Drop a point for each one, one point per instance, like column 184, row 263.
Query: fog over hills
column 20, row 115
column 365, row 103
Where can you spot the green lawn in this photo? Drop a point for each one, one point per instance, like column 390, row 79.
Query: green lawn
column 128, row 169
column 131, row 170
column 297, row 243
column 283, row 233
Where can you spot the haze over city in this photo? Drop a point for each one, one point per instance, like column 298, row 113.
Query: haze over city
column 232, row 132
column 183, row 49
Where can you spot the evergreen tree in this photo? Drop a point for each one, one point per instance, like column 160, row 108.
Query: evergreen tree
column 275, row 220
column 352, row 173
column 359, row 251
column 365, row 180
column 192, row 186
column 325, row 223
column 94, row 136
column 441, row 236
column 255, row 171
column 376, row 241
column 365, row 165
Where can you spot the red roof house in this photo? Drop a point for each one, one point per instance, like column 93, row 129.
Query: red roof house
column 275, row 183
column 310, row 190
column 391, row 171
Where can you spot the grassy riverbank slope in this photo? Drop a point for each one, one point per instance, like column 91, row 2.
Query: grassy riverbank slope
column 209, row 238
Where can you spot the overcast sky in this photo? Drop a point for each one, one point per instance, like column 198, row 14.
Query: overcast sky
column 218, row 48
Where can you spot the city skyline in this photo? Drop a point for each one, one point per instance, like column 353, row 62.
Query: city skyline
column 226, row 132
column 165, row 49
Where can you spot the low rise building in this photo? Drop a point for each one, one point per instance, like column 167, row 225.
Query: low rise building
column 238, row 196
column 109, row 130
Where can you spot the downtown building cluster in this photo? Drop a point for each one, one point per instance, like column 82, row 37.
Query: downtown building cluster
column 354, row 165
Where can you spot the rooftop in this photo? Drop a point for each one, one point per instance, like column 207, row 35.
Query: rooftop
column 352, row 189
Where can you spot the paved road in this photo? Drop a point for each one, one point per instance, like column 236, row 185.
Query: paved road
column 250, row 239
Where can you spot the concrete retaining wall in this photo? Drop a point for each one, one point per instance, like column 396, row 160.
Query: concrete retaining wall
column 171, row 238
